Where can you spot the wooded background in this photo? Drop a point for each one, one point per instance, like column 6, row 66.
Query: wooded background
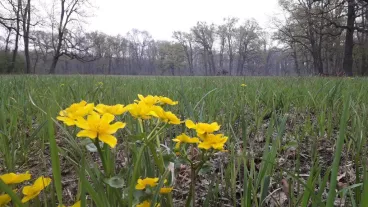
column 315, row 37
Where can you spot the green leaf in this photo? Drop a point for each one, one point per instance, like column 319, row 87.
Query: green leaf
column 91, row 147
column 115, row 182
column 55, row 163
column 338, row 152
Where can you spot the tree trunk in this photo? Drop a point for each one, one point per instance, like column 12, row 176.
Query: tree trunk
column 221, row 63
column 212, row 62
column 231, row 60
column 191, row 66
column 296, row 63
column 364, row 66
column 349, row 39
column 55, row 59
column 205, row 62
column 15, row 51
column 7, row 41
column 35, row 61
column 110, row 64
column 172, row 71
column 317, row 62
column 231, row 56
column 26, row 24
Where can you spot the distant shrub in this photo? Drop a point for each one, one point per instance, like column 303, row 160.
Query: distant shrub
column 5, row 61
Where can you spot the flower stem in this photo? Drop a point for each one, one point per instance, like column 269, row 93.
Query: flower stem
column 135, row 176
column 102, row 156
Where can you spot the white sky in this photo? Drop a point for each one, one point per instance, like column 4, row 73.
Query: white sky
column 161, row 17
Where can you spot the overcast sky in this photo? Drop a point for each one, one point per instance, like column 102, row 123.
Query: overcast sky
column 161, row 17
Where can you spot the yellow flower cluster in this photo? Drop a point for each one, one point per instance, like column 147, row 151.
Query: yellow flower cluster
column 95, row 121
column 183, row 138
column 98, row 121
column 77, row 204
column 206, row 140
column 150, row 106
column 29, row 192
column 69, row 115
column 152, row 182
column 146, row 204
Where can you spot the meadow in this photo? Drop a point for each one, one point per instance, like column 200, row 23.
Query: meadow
column 288, row 142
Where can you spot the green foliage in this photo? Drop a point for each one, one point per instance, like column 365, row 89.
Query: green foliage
column 269, row 120
column 5, row 61
column 171, row 57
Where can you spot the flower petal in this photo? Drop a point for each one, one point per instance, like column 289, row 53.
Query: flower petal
column 204, row 145
column 68, row 121
column 41, row 183
column 27, row 190
column 87, row 133
column 107, row 118
column 25, row 199
column 114, row 127
column 77, row 204
column 190, row 124
column 4, row 199
column 82, row 123
column 93, row 117
column 108, row 139
column 165, row 190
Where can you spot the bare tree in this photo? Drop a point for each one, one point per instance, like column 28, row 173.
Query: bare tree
column 186, row 41
column 26, row 22
column 16, row 7
column 247, row 37
column 139, row 42
column 230, row 25
column 171, row 56
column 205, row 36
column 70, row 12
column 42, row 44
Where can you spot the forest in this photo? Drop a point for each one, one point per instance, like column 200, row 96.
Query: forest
column 313, row 37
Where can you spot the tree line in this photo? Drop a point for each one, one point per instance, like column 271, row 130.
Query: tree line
column 314, row 37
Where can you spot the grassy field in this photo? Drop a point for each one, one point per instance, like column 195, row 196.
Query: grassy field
column 291, row 142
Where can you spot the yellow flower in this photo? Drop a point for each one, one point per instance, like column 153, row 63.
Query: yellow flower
column 149, row 100
column 168, row 101
column 146, row 204
column 116, row 110
column 216, row 142
column 166, row 190
column 142, row 110
column 12, row 178
column 4, row 199
column 202, row 128
column 34, row 190
column 99, row 126
column 77, row 204
column 171, row 118
column 100, row 84
column 243, row 85
column 183, row 138
column 152, row 100
column 142, row 183
column 165, row 116
column 70, row 114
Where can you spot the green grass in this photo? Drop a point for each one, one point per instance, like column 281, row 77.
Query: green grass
column 307, row 131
